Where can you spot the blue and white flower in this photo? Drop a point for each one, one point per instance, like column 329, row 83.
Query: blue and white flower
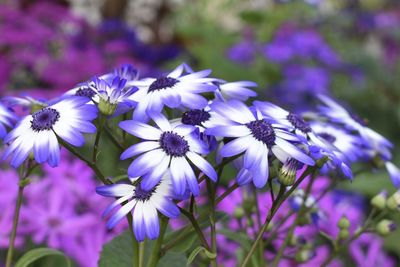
column 176, row 89
column 234, row 90
column 256, row 136
column 336, row 113
column 166, row 148
column 7, row 119
column 125, row 71
column 38, row 132
column 144, row 205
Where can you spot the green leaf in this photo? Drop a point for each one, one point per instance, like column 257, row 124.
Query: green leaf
column 38, row 253
column 173, row 259
column 196, row 251
column 117, row 252
column 186, row 243
column 239, row 237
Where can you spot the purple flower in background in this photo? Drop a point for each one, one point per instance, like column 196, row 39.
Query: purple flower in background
column 243, row 52
column 52, row 220
column 38, row 132
column 166, row 149
column 173, row 90
column 7, row 119
column 144, row 203
column 255, row 136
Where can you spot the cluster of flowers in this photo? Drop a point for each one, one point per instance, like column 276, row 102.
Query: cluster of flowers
column 307, row 62
column 178, row 119
column 45, row 37
column 59, row 210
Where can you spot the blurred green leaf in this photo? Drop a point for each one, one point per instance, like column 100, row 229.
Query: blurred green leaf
column 38, row 253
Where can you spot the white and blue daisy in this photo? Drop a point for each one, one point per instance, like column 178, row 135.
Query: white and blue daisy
column 176, row 89
column 144, row 205
column 38, row 132
column 166, row 148
column 256, row 136
column 7, row 119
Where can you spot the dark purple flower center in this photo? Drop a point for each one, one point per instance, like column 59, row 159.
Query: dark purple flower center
column 173, row 144
column 162, row 83
column 44, row 119
column 144, row 195
column 299, row 123
column 262, row 131
column 328, row 137
column 53, row 222
column 85, row 91
column 195, row 117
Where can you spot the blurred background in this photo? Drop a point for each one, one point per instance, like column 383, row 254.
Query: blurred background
column 349, row 49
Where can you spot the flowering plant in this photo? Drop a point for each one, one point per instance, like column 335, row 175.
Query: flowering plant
column 204, row 175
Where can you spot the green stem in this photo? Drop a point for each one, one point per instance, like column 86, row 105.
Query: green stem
column 156, row 253
column 282, row 196
column 113, row 139
column 299, row 215
column 102, row 121
column 211, row 197
column 23, row 182
column 92, row 165
column 141, row 253
column 10, row 251
column 196, row 227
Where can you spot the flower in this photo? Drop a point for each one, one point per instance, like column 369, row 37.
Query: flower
column 173, row 90
column 6, row 120
column 125, row 71
column 38, row 132
column 144, row 203
column 234, row 90
column 256, row 136
column 166, row 148
column 336, row 113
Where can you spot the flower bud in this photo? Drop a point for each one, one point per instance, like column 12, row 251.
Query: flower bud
column 238, row 213
column 379, row 201
column 393, row 202
column 106, row 107
column 343, row 223
column 303, row 255
column 385, row 227
column 287, row 174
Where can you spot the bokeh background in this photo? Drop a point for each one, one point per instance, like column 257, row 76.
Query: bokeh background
column 349, row 49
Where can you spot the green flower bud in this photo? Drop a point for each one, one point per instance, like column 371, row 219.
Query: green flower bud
column 287, row 174
column 393, row 202
column 343, row 234
column 343, row 223
column 106, row 107
column 385, row 227
column 238, row 213
column 379, row 201
column 303, row 255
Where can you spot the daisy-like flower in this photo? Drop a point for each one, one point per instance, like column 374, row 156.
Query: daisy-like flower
column 234, row 90
column 337, row 113
column 38, row 132
column 176, row 89
column 7, row 119
column 125, row 71
column 256, row 136
column 144, row 205
column 346, row 146
column 166, row 148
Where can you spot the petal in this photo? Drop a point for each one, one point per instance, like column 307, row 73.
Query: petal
column 229, row 131
column 139, row 149
column 140, row 130
column 115, row 190
column 121, row 213
column 41, row 146
column 294, row 152
column 203, row 165
column 151, row 220
column 178, row 175
column 138, row 222
column 166, row 207
column 146, row 162
column 236, row 146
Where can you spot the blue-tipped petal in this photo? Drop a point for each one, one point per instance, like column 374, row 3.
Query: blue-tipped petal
column 203, row 165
